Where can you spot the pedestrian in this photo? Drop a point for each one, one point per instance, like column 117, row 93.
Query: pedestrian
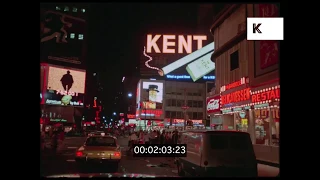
column 146, row 138
column 133, row 139
column 175, row 137
column 163, row 137
column 54, row 141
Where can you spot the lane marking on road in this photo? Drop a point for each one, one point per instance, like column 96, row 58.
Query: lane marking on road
column 72, row 147
column 71, row 160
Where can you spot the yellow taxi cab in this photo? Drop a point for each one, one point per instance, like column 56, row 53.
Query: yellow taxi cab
column 99, row 149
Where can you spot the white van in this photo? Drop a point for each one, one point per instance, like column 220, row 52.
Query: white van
column 218, row 154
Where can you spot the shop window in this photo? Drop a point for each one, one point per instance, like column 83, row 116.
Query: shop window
column 241, row 121
column 262, row 126
column 234, row 60
column 275, row 127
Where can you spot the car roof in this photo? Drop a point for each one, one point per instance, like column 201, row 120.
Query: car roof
column 103, row 136
column 216, row 131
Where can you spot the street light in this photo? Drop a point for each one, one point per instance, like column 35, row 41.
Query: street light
column 129, row 94
column 114, row 113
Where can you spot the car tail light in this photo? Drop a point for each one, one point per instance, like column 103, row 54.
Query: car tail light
column 205, row 163
column 79, row 153
column 117, row 154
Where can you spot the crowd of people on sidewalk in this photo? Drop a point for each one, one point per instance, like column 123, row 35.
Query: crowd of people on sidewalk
column 56, row 138
column 153, row 137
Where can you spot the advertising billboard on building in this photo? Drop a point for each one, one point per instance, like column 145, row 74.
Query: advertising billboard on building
column 150, row 105
column 56, row 114
column 178, row 57
column 62, row 38
column 65, row 86
column 213, row 104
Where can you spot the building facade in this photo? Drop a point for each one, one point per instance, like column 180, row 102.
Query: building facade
column 247, row 78
column 184, row 101
column 62, row 55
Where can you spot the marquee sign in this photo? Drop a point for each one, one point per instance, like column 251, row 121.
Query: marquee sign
column 174, row 43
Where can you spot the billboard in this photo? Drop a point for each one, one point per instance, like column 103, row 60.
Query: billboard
column 186, row 56
column 62, row 38
column 57, row 114
column 150, row 105
column 65, row 86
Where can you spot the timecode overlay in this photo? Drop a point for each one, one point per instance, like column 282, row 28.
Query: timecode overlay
column 160, row 150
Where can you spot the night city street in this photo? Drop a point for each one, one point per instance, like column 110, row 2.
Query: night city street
column 63, row 162
column 198, row 81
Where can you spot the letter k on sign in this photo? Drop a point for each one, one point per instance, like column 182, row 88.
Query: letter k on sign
column 264, row 28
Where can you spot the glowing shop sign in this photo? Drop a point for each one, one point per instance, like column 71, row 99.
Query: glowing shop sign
column 266, row 95
column 238, row 83
column 171, row 42
column 237, row 96
column 188, row 77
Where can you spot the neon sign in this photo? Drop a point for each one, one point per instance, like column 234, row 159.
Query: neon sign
column 237, row 96
column 73, row 103
column 131, row 116
column 213, row 104
column 70, row 93
column 188, row 77
column 242, row 81
column 169, row 43
column 152, row 112
column 182, row 121
column 266, row 95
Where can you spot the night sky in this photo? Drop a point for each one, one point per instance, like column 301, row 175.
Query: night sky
column 115, row 37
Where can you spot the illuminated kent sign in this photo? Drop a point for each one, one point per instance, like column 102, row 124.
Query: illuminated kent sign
column 174, row 43
column 188, row 77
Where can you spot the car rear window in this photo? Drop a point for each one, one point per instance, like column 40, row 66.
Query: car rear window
column 230, row 141
column 101, row 141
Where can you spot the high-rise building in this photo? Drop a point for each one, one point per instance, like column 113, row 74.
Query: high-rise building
column 62, row 55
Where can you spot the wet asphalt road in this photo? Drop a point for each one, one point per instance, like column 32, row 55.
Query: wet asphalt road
column 63, row 162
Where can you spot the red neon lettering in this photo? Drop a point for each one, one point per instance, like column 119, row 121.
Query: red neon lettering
column 237, row 96
column 264, row 96
column 94, row 103
column 233, row 85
